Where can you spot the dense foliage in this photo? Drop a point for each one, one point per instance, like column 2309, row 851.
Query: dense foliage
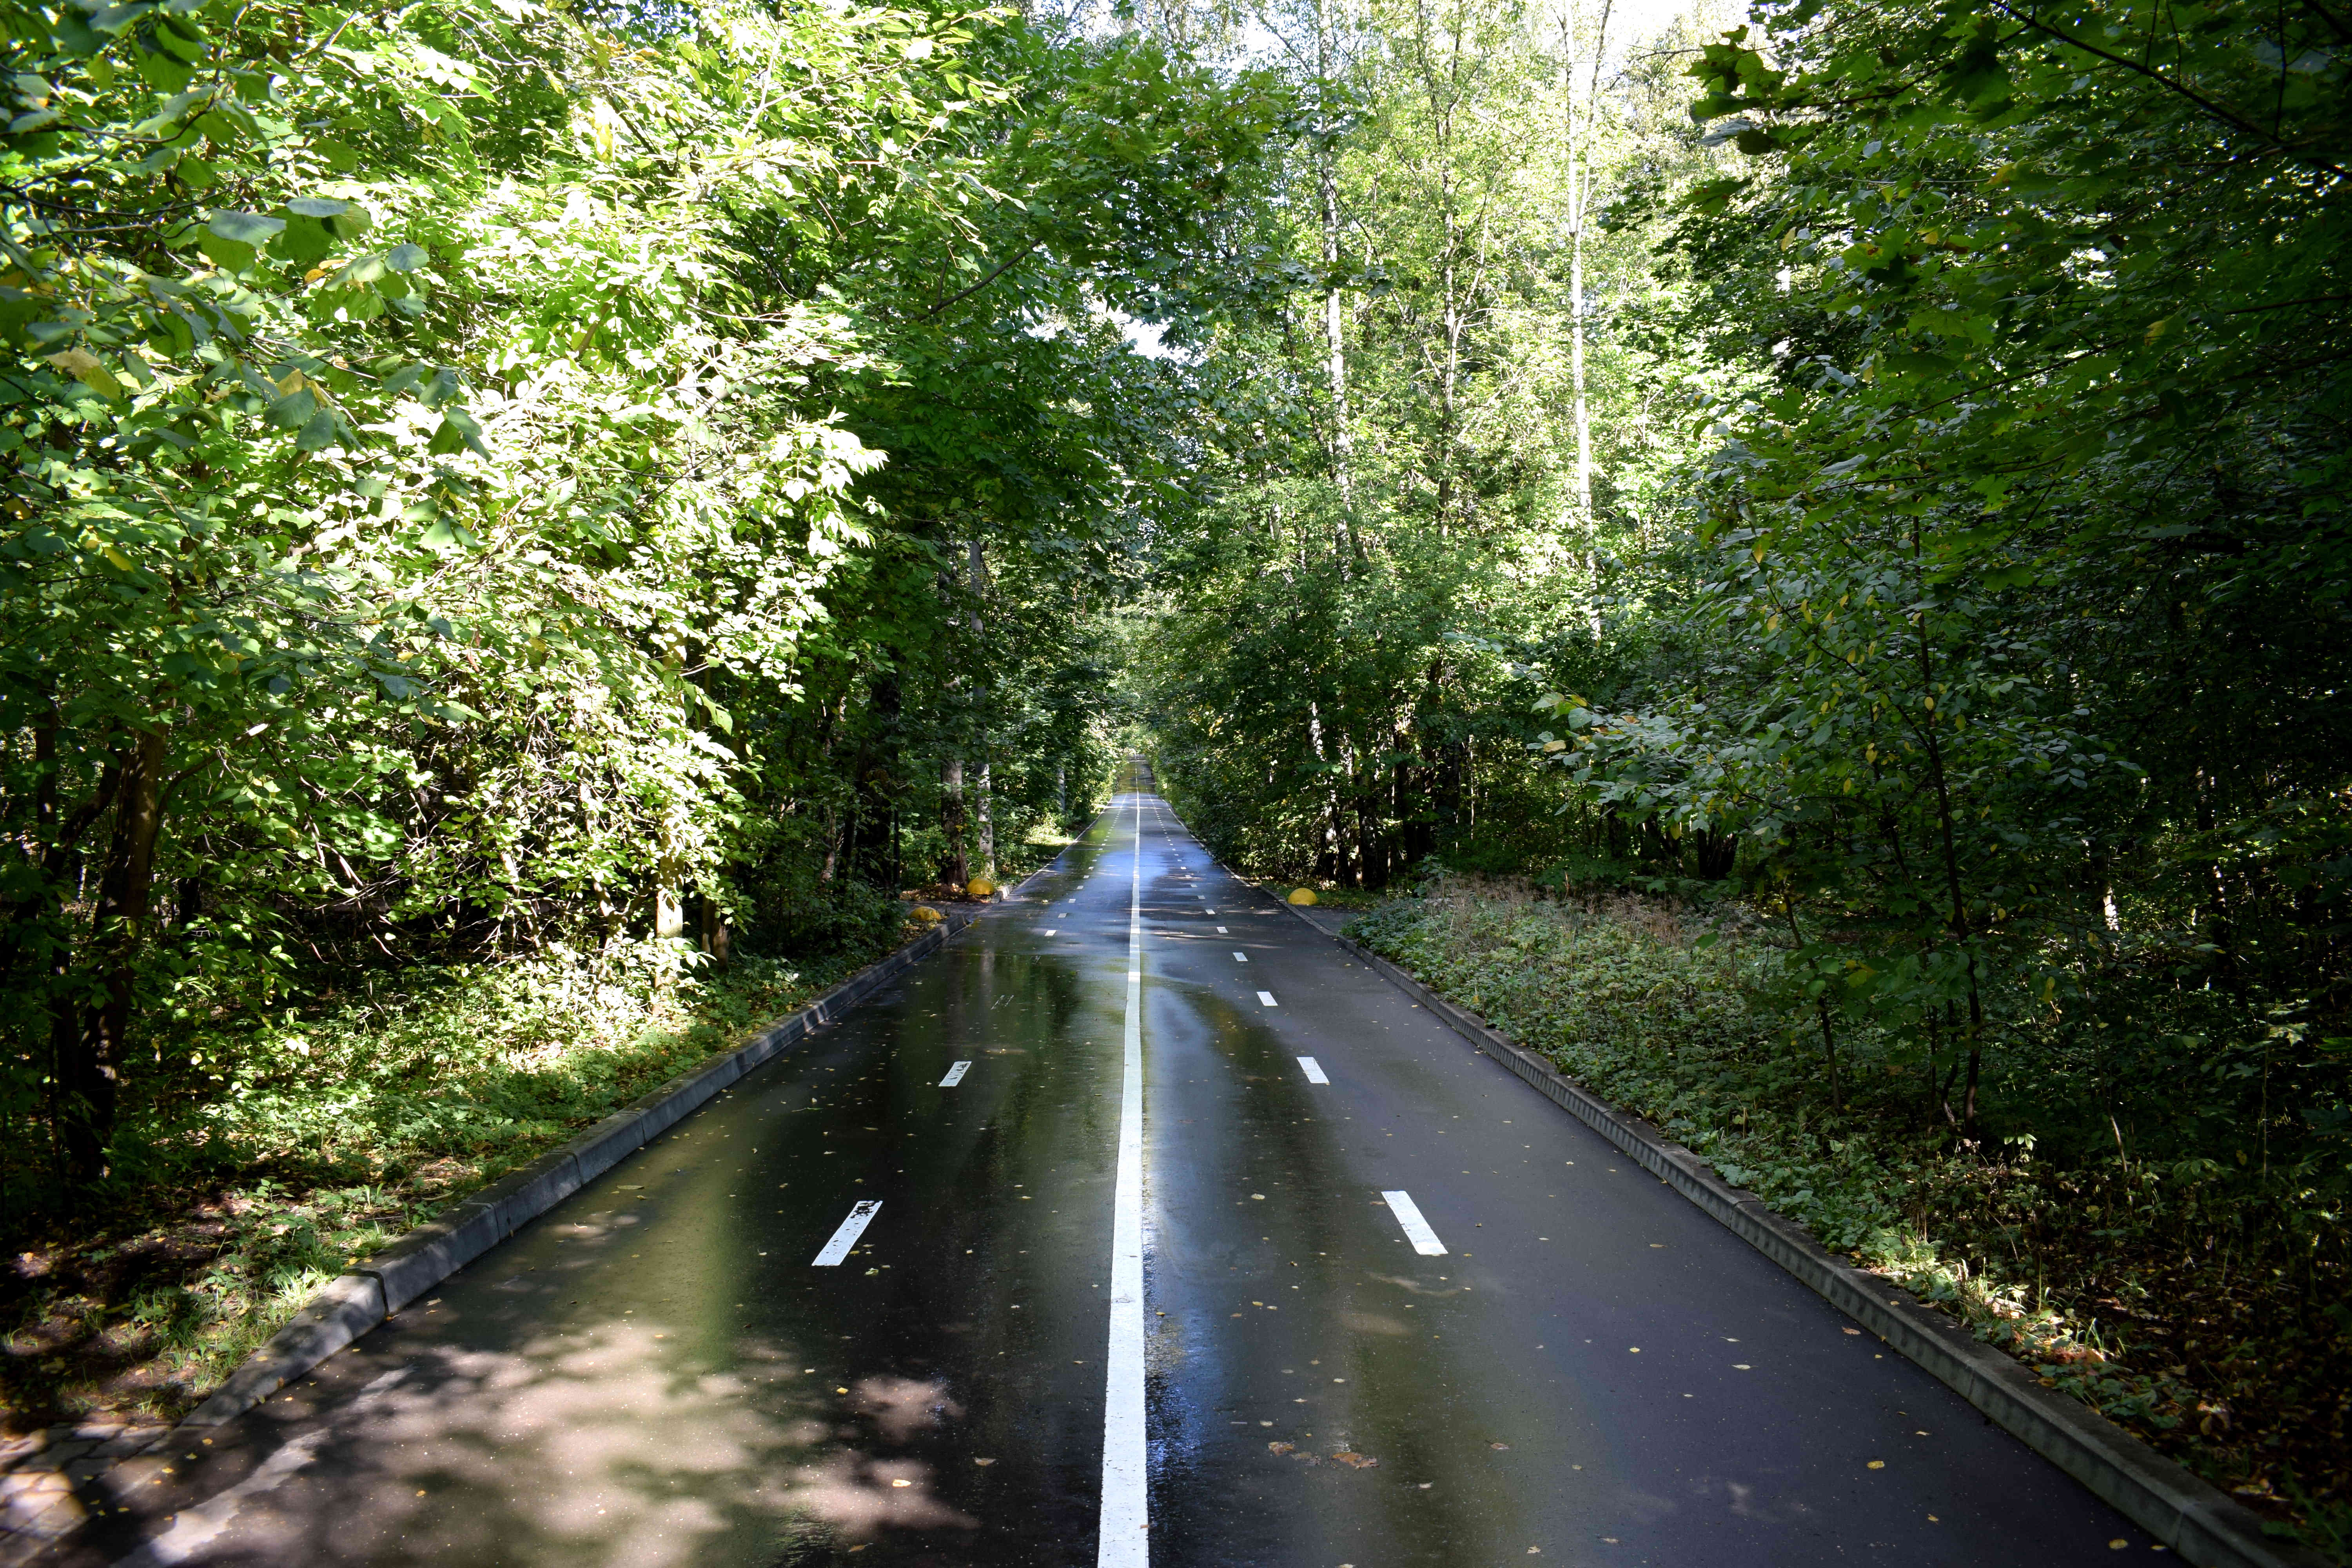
column 2146, row 1290
column 486, row 480
column 1429, row 451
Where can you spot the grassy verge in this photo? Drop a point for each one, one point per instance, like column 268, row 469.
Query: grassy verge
column 271, row 1154
column 2104, row 1276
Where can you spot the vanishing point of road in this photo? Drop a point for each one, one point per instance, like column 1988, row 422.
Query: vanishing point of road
column 1139, row 1225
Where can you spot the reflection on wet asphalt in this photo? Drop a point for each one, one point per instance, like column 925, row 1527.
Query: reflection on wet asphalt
column 665, row 1371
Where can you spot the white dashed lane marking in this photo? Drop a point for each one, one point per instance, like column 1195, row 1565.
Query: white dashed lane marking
column 1241, row 957
column 861, row 1214
column 955, row 1075
column 1266, row 999
column 1314, row 1072
column 1416, row 1229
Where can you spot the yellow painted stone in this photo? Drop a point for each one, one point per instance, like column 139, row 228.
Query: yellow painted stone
column 927, row 915
column 979, row 886
column 1302, row 895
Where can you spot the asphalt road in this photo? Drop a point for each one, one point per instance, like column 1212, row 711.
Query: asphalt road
column 1564, row 1360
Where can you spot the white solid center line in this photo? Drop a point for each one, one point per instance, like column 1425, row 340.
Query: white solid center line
column 1266, row 999
column 1313, row 1073
column 955, row 1075
column 1416, row 1229
column 1124, row 1537
column 861, row 1214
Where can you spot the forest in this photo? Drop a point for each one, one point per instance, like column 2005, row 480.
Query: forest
column 1798, row 558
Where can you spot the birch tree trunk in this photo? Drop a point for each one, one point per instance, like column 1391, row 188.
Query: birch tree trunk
column 951, row 818
column 986, row 812
column 1579, row 200
column 1335, row 346
column 987, row 825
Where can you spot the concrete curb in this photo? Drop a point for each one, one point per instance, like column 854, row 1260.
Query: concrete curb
column 2165, row 1499
column 365, row 1294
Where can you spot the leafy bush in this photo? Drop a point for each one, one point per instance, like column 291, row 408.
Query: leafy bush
column 2198, row 1301
column 261, row 1152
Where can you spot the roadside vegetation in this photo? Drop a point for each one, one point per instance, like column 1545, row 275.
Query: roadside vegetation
column 260, row 1156
column 525, row 529
column 2197, row 1301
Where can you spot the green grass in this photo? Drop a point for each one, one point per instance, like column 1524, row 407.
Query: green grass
column 266, row 1152
column 2104, row 1276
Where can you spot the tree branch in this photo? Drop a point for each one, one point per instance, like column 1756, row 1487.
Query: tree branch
column 2158, row 77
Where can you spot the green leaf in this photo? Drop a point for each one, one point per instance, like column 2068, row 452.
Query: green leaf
column 246, row 228
column 319, row 431
column 112, row 19
column 306, row 241
column 181, row 37
column 162, row 71
column 293, row 410
column 230, row 254
column 405, row 258
column 87, row 368
column 458, row 430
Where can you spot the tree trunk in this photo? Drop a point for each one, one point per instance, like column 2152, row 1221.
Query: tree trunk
column 1579, row 197
column 1334, row 345
column 718, row 941
column 669, row 904
column 92, row 1056
column 987, row 825
column 951, row 819
column 1334, row 849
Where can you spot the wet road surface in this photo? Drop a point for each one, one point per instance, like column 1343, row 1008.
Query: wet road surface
column 1396, row 1309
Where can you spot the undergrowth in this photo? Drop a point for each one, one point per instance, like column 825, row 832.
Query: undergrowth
column 2137, row 1287
column 272, row 1150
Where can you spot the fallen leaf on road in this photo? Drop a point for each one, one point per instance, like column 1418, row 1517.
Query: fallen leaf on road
column 1876, row 1465
column 984, row 1461
column 1280, row 1447
column 902, row 1482
column 1498, row 1445
column 1356, row 1461
column 1856, row 1332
